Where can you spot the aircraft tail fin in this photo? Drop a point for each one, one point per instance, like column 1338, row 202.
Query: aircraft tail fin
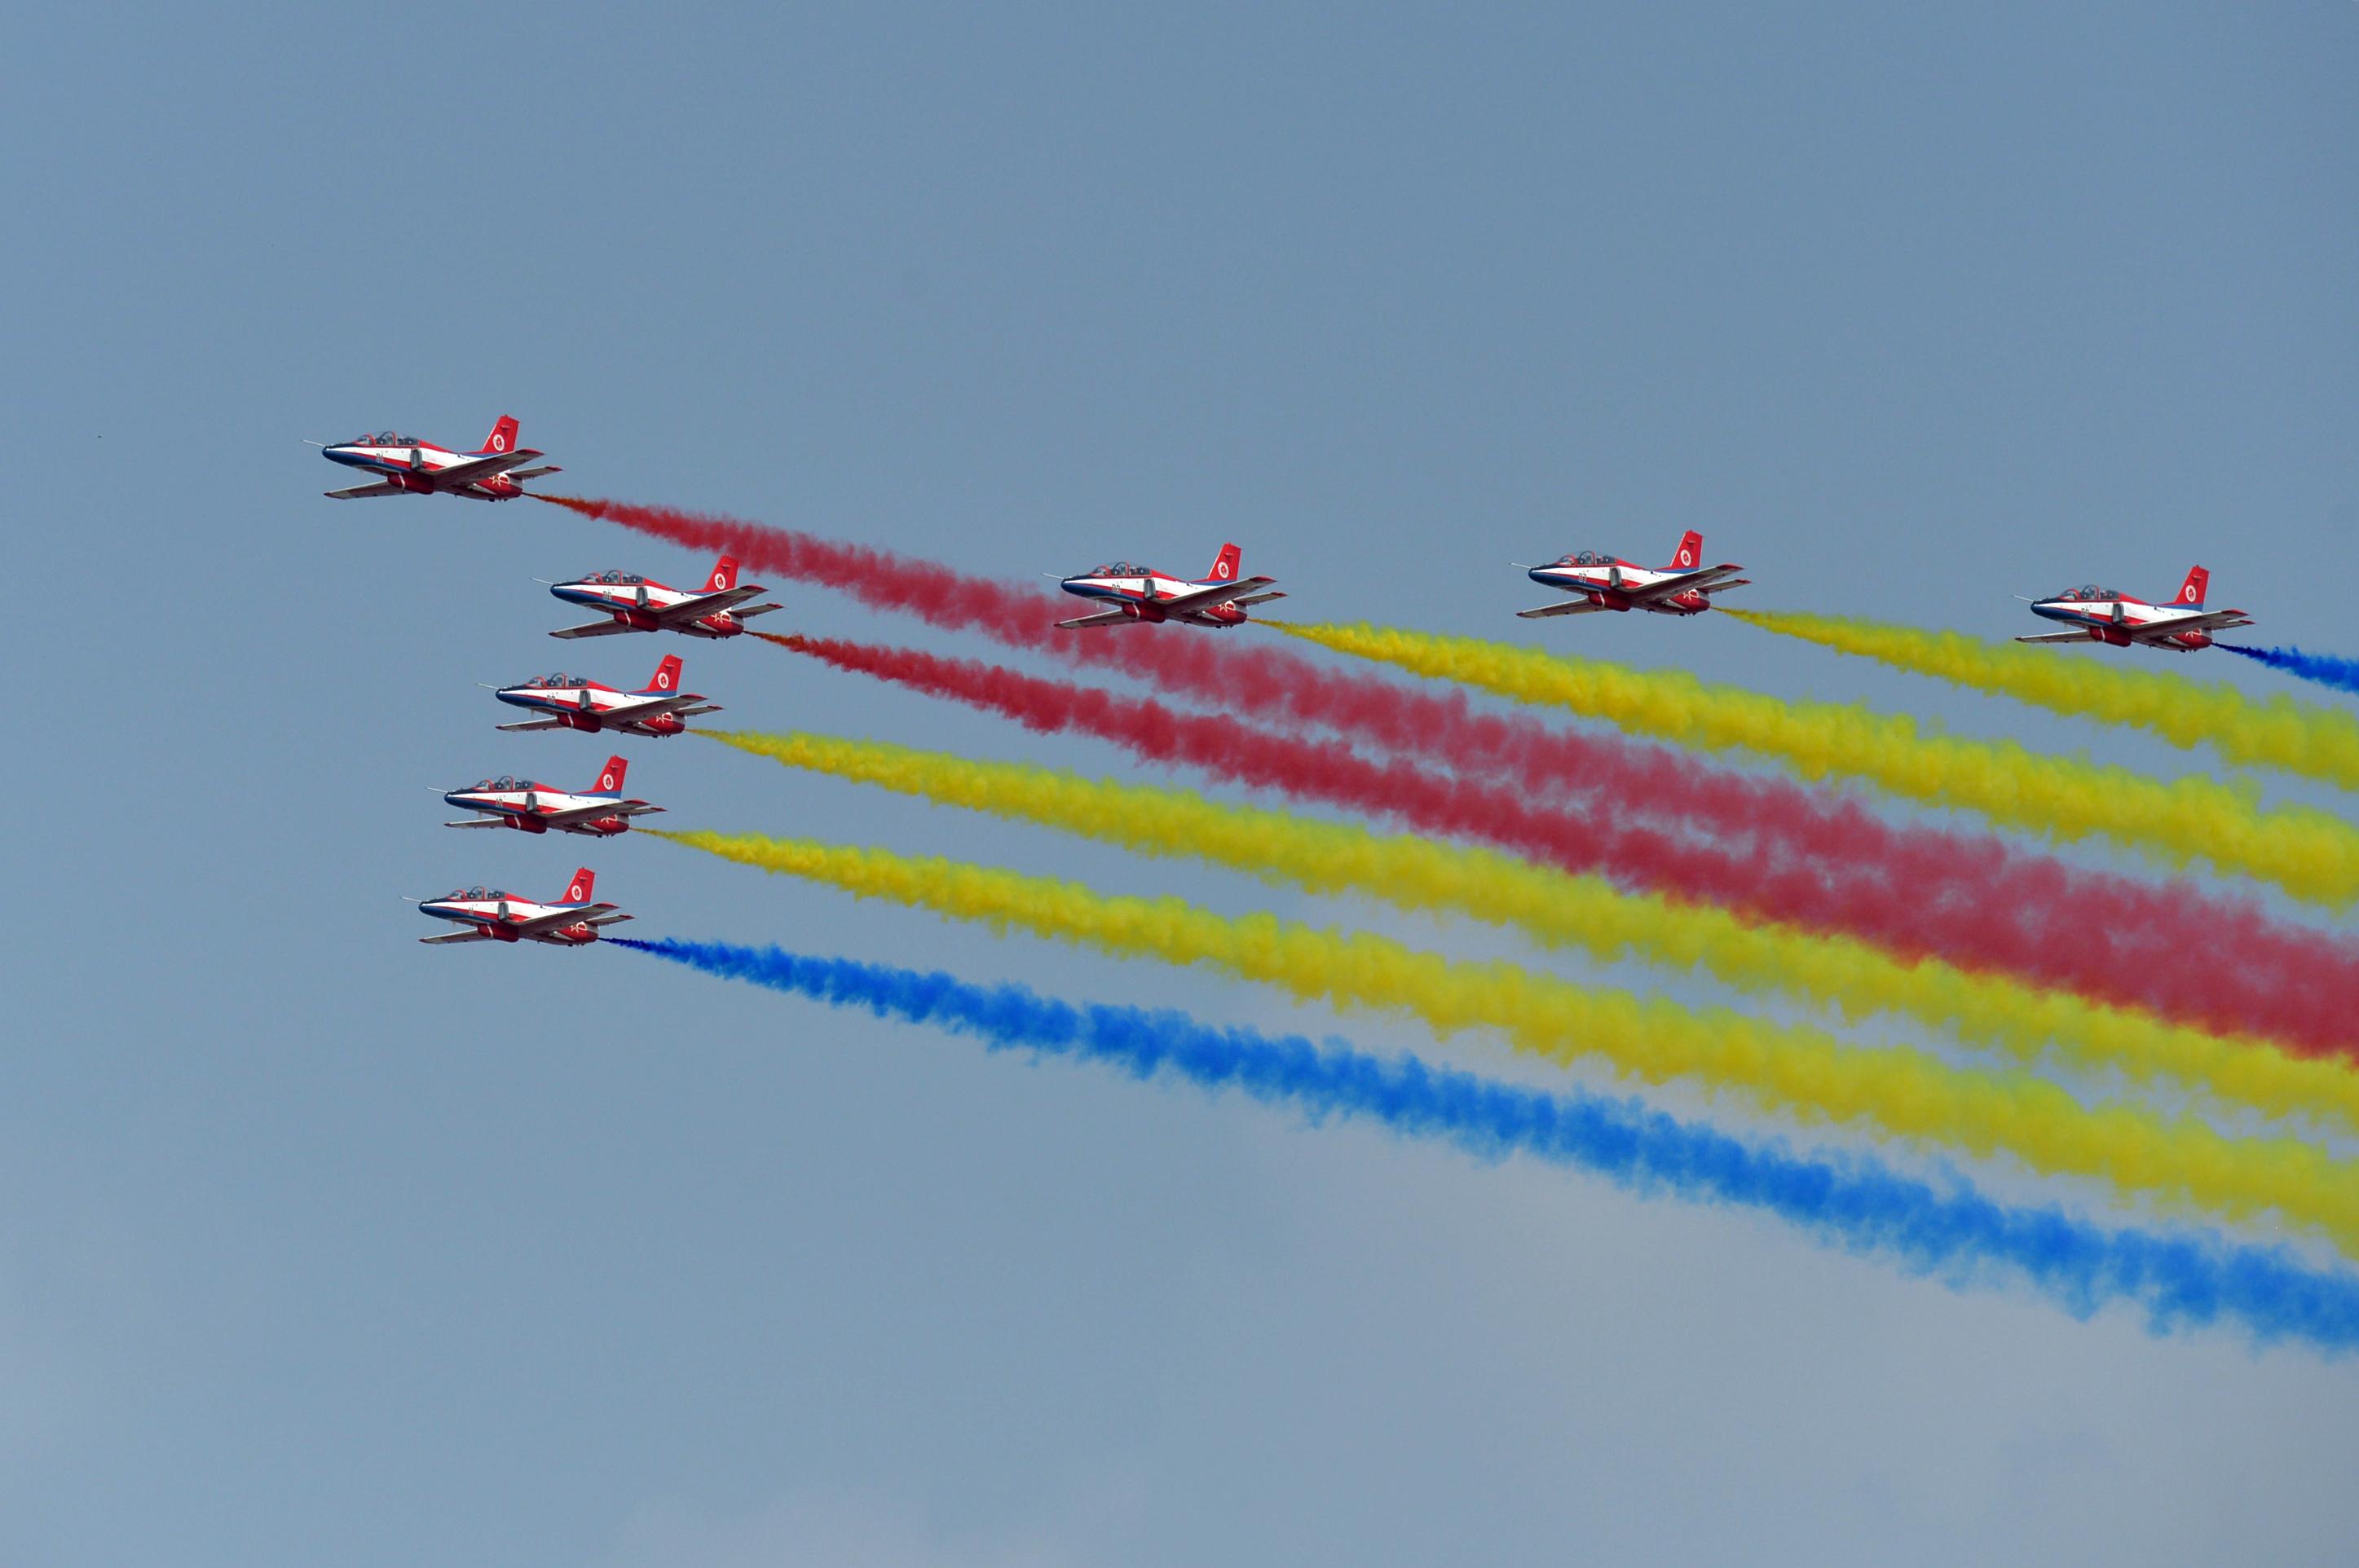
column 609, row 777
column 2191, row 592
column 1690, row 553
column 1225, row 564
column 578, row 890
column 502, row 438
column 666, row 675
column 724, row 575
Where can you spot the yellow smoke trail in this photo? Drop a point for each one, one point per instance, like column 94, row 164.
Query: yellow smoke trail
column 2310, row 854
column 2282, row 732
column 1588, row 913
column 2179, row 1162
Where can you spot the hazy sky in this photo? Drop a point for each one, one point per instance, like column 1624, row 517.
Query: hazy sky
column 318, row 1245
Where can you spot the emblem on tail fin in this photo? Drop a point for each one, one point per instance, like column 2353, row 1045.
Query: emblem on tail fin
column 503, row 437
column 1225, row 564
column 578, row 890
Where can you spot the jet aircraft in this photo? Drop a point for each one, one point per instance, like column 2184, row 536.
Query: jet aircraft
column 634, row 603
column 411, row 467
column 2108, row 616
column 531, row 806
column 491, row 914
column 1608, row 583
column 576, row 702
column 1142, row 593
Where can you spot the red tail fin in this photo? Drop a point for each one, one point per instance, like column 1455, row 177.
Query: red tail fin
column 666, row 675
column 609, row 777
column 2191, row 591
column 1691, row 554
column 578, row 890
column 1225, row 564
column 502, row 436
column 724, row 575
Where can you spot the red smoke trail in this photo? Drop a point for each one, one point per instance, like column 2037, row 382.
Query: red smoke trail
column 1971, row 901
column 1784, row 851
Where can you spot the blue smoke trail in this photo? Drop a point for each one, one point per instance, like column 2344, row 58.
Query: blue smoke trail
column 1851, row 1201
column 2324, row 668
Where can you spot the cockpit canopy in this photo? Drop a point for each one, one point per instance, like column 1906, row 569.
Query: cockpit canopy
column 560, row 679
column 386, row 438
column 2089, row 594
column 1585, row 558
column 477, row 894
column 504, row 781
column 1120, row 568
column 626, row 579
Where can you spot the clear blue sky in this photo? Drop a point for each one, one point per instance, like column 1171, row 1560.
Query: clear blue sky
column 318, row 1245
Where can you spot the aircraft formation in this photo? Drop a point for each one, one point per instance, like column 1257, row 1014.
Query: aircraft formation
column 1131, row 593
column 2170, row 991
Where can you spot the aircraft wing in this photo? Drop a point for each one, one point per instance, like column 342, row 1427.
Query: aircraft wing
column 483, row 468
column 477, row 822
column 532, row 724
column 473, row 934
column 2216, row 620
column 534, row 473
column 591, row 813
column 1569, row 607
column 1255, row 598
column 596, row 629
column 651, row 707
column 1103, row 618
column 357, row 492
column 2058, row 637
column 1721, row 587
column 1671, row 585
column 705, row 604
column 557, row 919
column 1205, row 598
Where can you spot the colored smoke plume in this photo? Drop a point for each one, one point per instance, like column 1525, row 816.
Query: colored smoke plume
column 1585, row 912
column 2174, row 951
column 1853, row 1202
column 2326, row 669
column 1895, row 1091
column 2309, row 854
column 2279, row 732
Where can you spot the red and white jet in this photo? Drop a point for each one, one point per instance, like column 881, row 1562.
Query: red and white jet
column 412, row 467
column 1608, row 583
column 634, row 603
column 532, row 806
column 2109, row 615
column 1142, row 593
column 490, row 915
column 576, row 702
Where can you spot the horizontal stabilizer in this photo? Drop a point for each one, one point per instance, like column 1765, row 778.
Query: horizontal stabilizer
column 752, row 610
column 1251, row 599
column 535, row 473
